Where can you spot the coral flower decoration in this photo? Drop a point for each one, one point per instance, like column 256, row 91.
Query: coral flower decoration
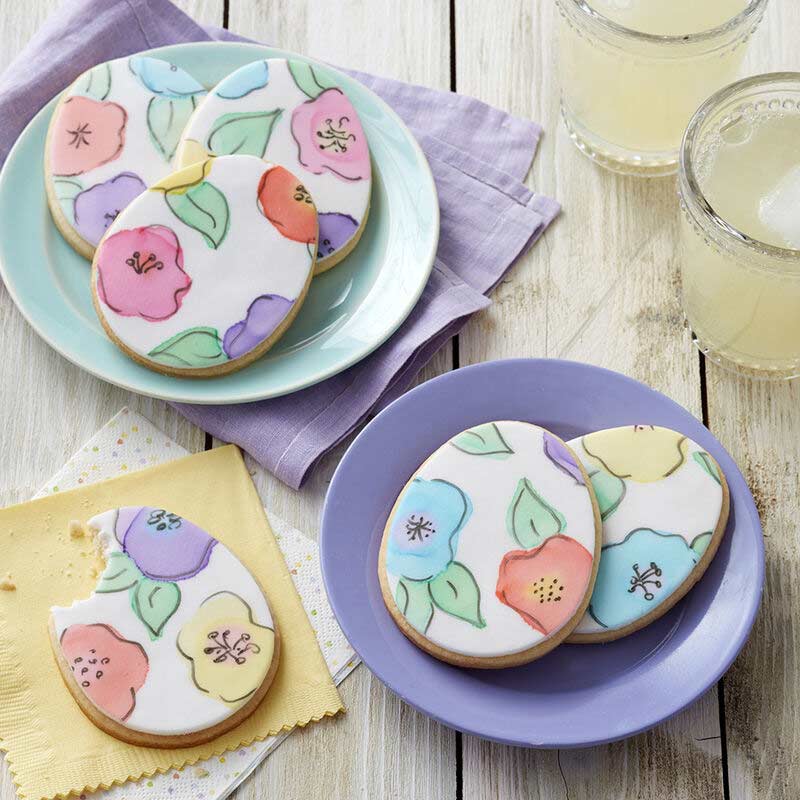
column 286, row 203
column 140, row 272
column 545, row 585
column 87, row 133
column 109, row 668
column 330, row 138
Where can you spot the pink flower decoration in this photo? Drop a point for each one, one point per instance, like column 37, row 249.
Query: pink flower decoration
column 86, row 133
column 108, row 668
column 330, row 137
column 140, row 272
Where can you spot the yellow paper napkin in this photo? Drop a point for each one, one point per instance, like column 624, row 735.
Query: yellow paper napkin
column 52, row 749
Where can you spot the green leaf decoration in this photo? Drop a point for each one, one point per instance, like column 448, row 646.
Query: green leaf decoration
column 244, row 133
column 700, row 543
column 309, row 80
column 455, row 592
column 194, row 347
column 483, row 440
column 708, row 465
column 66, row 190
column 96, row 83
column 530, row 519
column 120, row 574
column 204, row 208
column 414, row 602
column 609, row 490
column 154, row 602
column 166, row 119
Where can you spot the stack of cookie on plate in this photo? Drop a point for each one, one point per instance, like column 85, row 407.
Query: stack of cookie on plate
column 508, row 541
column 206, row 213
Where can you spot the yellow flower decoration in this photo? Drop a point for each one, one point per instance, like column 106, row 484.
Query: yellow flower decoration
column 642, row 453
column 230, row 653
column 181, row 181
column 190, row 152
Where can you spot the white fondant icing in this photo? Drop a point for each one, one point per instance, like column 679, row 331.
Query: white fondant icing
column 168, row 703
column 491, row 482
column 686, row 503
column 331, row 193
column 253, row 259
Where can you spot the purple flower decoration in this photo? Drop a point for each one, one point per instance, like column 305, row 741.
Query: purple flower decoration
column 164, row 546
column 335, row 231
column 263, row 316
column 557, row 452
column 97, row 207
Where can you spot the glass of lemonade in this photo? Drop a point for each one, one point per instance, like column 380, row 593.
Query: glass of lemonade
column 634, row 71
column 739, row 184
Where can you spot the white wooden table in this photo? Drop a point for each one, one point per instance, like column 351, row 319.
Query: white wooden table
column 601, row 287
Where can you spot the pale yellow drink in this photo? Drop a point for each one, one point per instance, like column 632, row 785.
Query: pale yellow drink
column 634, row 71
column 741, row 227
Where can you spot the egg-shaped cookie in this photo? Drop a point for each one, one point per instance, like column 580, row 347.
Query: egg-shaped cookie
column 489, row 554
column 201, row 274
column 664, row 503
column 177, row 643
column 295, row 114
column 113, row 133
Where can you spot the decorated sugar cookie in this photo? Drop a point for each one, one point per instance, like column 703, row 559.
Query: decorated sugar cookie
column 113, row 133
column 489, row 555
column 664, row 504
column 204, row 271
column 176, row 645
column 293, row 114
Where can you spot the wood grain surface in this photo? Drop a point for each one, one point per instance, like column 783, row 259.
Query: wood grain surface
column 602, row 287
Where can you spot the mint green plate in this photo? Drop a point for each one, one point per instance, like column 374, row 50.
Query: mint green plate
column 349, row 311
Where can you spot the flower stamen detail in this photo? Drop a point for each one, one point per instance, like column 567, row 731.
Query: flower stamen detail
column 336, row 137
column 80, row 135
column 642, row 580
column 222, row 649
column 143, row 267
column 418, row 529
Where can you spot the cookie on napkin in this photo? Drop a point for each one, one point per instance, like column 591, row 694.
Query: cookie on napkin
column 49, row 567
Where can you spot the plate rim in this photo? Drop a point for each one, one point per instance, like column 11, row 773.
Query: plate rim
column 431, row 386
column 221, row 398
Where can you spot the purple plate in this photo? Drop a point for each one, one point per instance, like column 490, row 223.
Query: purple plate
column 578, row 695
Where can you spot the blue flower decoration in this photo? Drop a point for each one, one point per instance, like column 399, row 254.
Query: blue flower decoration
column 163, row 78
column 424, row 533
column 638, row 574
column 244, row 80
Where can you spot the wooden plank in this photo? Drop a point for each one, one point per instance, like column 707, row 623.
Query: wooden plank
column 757, row 423
column 381, row 747
column 600, row 288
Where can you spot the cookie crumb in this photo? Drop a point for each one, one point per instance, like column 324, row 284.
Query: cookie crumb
column 76, row 530
column 7, row 585
column 200, row 772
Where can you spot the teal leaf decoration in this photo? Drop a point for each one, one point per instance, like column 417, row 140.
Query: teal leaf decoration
column 120, row 573
column 530, row 519
column 308, row 80
column 204, row 208
column 96, row 83
column 154, row 602
column 483, row 440
column 414, row 602
column 700, row 543
column 243, row 133
column 609, row 491
column 455, row 592
column 166, row 119
column 194, row 347
column 708, row 465
column 66, row 190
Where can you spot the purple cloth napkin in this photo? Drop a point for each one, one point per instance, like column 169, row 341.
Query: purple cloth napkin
column 479, row 156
